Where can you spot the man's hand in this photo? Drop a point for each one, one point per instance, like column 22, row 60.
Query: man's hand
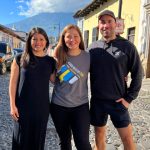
column 123, row 101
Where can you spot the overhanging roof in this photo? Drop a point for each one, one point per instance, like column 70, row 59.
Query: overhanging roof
column 9, row 31
column 91, row 7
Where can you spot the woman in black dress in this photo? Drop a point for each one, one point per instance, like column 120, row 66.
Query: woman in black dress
column 29, row 92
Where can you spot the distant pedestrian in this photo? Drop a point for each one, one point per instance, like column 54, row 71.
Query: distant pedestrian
column 29, row 92
column 70, row 106
column 112, row 58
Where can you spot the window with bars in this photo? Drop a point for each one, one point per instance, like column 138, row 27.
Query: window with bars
column 86, row 38
column 131, row 34
column 95, row 34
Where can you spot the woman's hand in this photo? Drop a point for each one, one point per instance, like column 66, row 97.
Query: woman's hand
column 14, row 113
column 14, row 77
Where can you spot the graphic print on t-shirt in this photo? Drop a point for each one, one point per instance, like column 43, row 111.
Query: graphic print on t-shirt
column 69, row 73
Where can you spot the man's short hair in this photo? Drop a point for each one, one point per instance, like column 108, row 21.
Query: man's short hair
column 106, row 12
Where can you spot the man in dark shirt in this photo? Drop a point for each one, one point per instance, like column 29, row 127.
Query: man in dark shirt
column 112, row 58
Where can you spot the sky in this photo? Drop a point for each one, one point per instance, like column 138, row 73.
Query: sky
column 17, row 10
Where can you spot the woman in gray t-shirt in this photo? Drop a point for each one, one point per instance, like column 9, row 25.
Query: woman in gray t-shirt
column 69, row 104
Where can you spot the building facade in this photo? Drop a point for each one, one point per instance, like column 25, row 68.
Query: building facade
column 9, row 36
column 144, row 35
column 133, row 21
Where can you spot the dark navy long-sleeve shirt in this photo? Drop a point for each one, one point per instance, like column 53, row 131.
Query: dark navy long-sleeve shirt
column 110, row 64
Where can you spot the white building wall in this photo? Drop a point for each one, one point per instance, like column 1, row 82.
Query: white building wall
column 144, row 24
column 80, row 23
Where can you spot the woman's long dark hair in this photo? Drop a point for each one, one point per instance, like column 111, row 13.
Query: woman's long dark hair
column 28, row 56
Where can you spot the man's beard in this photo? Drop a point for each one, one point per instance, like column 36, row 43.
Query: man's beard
column 107, row 34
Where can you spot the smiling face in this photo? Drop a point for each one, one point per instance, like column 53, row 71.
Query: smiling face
column 107, row 26
column 72, row 39
column 38, row 43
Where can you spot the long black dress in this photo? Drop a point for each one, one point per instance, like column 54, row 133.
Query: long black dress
column 32, row 100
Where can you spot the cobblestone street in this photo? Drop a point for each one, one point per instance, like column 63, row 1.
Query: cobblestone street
column 139, row 110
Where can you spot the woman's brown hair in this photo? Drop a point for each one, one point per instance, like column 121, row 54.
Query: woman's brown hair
column 61, row 50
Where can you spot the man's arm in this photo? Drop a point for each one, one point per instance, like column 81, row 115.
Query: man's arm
column 137, row 73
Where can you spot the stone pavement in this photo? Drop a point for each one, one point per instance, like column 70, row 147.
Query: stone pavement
column 139, row 110
column 146, row 86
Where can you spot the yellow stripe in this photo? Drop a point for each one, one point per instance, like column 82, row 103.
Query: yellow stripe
column 62, row 75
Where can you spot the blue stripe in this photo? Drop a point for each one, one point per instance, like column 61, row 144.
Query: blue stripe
column 68, row 76
column 63, row 69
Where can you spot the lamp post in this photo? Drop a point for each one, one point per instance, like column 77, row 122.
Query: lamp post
column 57, row 26
column 120, row 9
column 119, row 20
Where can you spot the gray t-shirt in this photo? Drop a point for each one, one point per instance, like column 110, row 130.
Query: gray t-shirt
column 71, row 88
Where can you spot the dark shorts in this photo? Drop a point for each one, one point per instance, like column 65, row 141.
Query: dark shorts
column 100, row 109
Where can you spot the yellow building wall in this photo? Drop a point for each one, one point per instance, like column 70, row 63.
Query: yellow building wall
column 130, row 14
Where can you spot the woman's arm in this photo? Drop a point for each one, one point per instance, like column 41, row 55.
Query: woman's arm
column 52, row 77
column 14, row 76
